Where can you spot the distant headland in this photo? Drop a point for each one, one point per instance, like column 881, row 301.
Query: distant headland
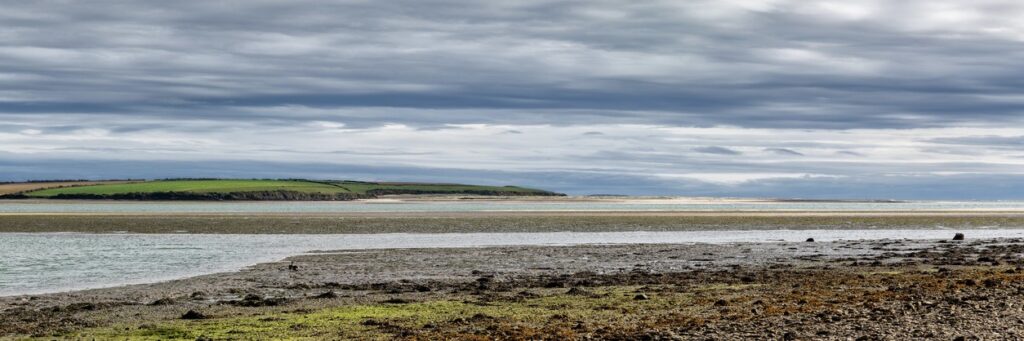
column 245, row 189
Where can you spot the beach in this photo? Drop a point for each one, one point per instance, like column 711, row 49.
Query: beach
column 420, row 271
column 806, row 290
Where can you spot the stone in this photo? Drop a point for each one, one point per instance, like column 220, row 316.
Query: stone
column 193, row 315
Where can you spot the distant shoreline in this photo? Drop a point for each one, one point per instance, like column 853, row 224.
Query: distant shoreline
column 246, row 190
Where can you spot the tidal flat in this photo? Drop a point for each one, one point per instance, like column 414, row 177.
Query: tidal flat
column 937, row 289
column 922, row 287
column 464, row 222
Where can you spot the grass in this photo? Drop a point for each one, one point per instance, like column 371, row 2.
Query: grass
column 364, row 187
column 353, row 188
column 193, row 186
column 19, row 187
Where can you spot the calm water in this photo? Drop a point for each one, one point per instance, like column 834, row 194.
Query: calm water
column 326, row 207
column 51, row 262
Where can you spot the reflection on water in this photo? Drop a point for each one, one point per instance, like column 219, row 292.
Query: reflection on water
column 51, row 262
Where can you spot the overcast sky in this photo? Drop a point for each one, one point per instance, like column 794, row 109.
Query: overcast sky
column 818, row 99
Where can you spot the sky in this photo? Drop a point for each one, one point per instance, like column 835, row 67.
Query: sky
column 744, row 98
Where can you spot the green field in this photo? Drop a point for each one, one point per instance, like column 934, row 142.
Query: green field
column 224, row 189
column 366, row 187
column 194, row 186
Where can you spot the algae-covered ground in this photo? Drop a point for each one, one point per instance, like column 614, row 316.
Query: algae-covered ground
column 540, row 313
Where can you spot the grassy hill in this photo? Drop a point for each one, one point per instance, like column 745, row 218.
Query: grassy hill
column 22, row 187
column 237, row 189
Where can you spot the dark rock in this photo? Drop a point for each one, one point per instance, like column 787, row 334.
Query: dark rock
column 810, row 240
column 254, row 300
column 163, row 301
column 193, row 315
column 958, row 236
column 575, row 291
column 641, row 297
column 329, row 294
column 721, row 303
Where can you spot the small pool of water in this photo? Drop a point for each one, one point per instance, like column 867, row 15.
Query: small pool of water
column 33, row 263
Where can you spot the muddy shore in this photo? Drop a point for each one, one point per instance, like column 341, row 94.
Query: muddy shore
column 887, row 289
column 449, row 222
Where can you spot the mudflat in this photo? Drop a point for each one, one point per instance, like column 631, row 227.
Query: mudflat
column 446, row 222
column 877, row 289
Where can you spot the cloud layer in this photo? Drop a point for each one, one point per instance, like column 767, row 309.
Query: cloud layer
column 708, row 97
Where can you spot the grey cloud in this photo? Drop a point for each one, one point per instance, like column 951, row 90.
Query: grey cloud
column 992, row 141
column 849, row 153
column 783, row 151
column 162, row 82
column 658, row 62
column 716, row 150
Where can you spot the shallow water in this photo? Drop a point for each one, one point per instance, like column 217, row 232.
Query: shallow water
column 32, row 263
column 16, row 206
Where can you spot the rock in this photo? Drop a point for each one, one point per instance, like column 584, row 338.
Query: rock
column 293, row 267
column 958, row 236
column 163, row 301
column 640, row 297
column 193, row 315
column 574, row 291
column 810, row 240
column 254, row 300
column 721, row 303
column 329, row 294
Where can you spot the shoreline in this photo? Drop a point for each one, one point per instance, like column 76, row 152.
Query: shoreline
column 366, row 278
column 400, row 242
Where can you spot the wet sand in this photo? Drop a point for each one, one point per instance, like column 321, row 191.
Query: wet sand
column 885, row 289
column 447, row 222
